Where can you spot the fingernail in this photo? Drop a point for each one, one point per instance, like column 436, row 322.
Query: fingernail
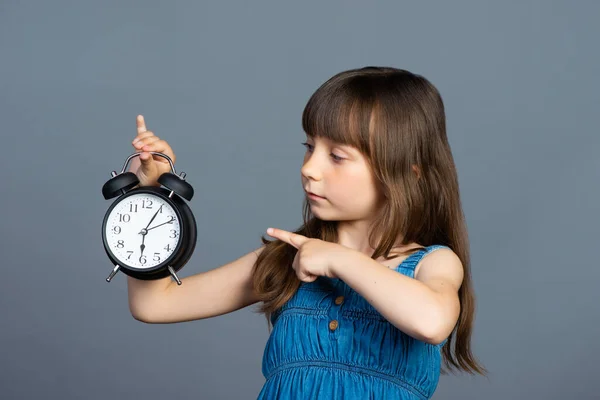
column 270, row 230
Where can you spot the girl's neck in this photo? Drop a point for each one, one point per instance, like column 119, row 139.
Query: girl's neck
column 354, row 234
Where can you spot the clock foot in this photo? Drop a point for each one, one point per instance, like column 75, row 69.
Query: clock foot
column 174, row 275
column 113, row 273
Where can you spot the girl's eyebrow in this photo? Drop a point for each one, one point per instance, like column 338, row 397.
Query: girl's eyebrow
column 330, row 142
column 344, row 147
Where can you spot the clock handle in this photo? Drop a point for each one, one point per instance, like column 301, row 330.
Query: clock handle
column 172, row 271
column 151, row 152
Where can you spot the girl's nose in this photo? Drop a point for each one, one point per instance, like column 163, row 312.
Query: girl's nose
column 310, row 169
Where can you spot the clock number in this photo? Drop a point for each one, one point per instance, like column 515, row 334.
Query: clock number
column 167, row 248
column 117, row 229
column 120, row 244
column 142, row 260
column 132, row 208
column 124, row 217
column 174, row 233
column 130, row 253
column 149, row 206
column 156, row 257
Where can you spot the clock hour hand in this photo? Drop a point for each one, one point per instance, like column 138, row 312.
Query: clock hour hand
column 142, row 246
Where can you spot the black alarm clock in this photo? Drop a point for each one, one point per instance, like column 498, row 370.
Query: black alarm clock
column 148, row 232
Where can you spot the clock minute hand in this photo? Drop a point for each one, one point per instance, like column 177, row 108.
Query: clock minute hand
column 168, row 222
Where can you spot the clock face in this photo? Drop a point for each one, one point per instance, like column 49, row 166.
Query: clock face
column 142, row 231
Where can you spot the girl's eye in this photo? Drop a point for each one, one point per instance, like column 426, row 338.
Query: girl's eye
column 309, row 147
column 336, row 158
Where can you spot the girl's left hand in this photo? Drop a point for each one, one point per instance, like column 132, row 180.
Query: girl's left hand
column 314, row 258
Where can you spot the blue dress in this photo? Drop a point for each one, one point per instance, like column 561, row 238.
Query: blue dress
column 328, row 342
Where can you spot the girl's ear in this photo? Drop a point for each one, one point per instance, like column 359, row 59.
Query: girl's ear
column 417, row 171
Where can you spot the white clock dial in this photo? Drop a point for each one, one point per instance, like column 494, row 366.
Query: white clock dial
column 142, row 231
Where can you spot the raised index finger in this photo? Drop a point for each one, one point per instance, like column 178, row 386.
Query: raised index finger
column 141, row 124
column 288, row 237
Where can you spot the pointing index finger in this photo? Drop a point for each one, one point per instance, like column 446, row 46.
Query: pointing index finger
column 141, row 124
column 288, row 237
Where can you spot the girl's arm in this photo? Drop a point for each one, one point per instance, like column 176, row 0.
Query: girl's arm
column 425, row 308
column 208, row 294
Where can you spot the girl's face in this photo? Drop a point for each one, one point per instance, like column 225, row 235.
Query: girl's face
column 341, row 179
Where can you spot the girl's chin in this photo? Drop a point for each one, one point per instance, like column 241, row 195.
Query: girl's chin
column 322, row 214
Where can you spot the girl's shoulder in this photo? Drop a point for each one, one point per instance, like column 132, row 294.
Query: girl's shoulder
column 439, row 260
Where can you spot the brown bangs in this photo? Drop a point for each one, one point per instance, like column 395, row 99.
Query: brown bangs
column 340, row 112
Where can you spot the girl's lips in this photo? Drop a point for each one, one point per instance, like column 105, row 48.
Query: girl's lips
column 314, row 196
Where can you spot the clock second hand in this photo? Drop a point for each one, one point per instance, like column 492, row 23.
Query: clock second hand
column 154, row 216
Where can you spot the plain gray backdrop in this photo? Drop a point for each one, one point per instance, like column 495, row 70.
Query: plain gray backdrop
column 225, row 83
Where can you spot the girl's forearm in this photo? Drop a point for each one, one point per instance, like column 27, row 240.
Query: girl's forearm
column 406, row 303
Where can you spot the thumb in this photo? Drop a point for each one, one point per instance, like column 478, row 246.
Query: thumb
column 148, row 172
column 146, row 159
column 148, row 168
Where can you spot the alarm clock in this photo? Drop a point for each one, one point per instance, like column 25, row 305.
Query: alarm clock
column 148, row 232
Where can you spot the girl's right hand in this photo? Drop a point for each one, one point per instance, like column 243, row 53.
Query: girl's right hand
column 150, row 167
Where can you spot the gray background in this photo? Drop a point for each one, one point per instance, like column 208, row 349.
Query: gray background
column 225, row 84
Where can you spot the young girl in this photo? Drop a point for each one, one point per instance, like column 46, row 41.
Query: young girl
column 370, row 294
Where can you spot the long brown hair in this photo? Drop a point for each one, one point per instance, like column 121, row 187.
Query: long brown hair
column 397, row 120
